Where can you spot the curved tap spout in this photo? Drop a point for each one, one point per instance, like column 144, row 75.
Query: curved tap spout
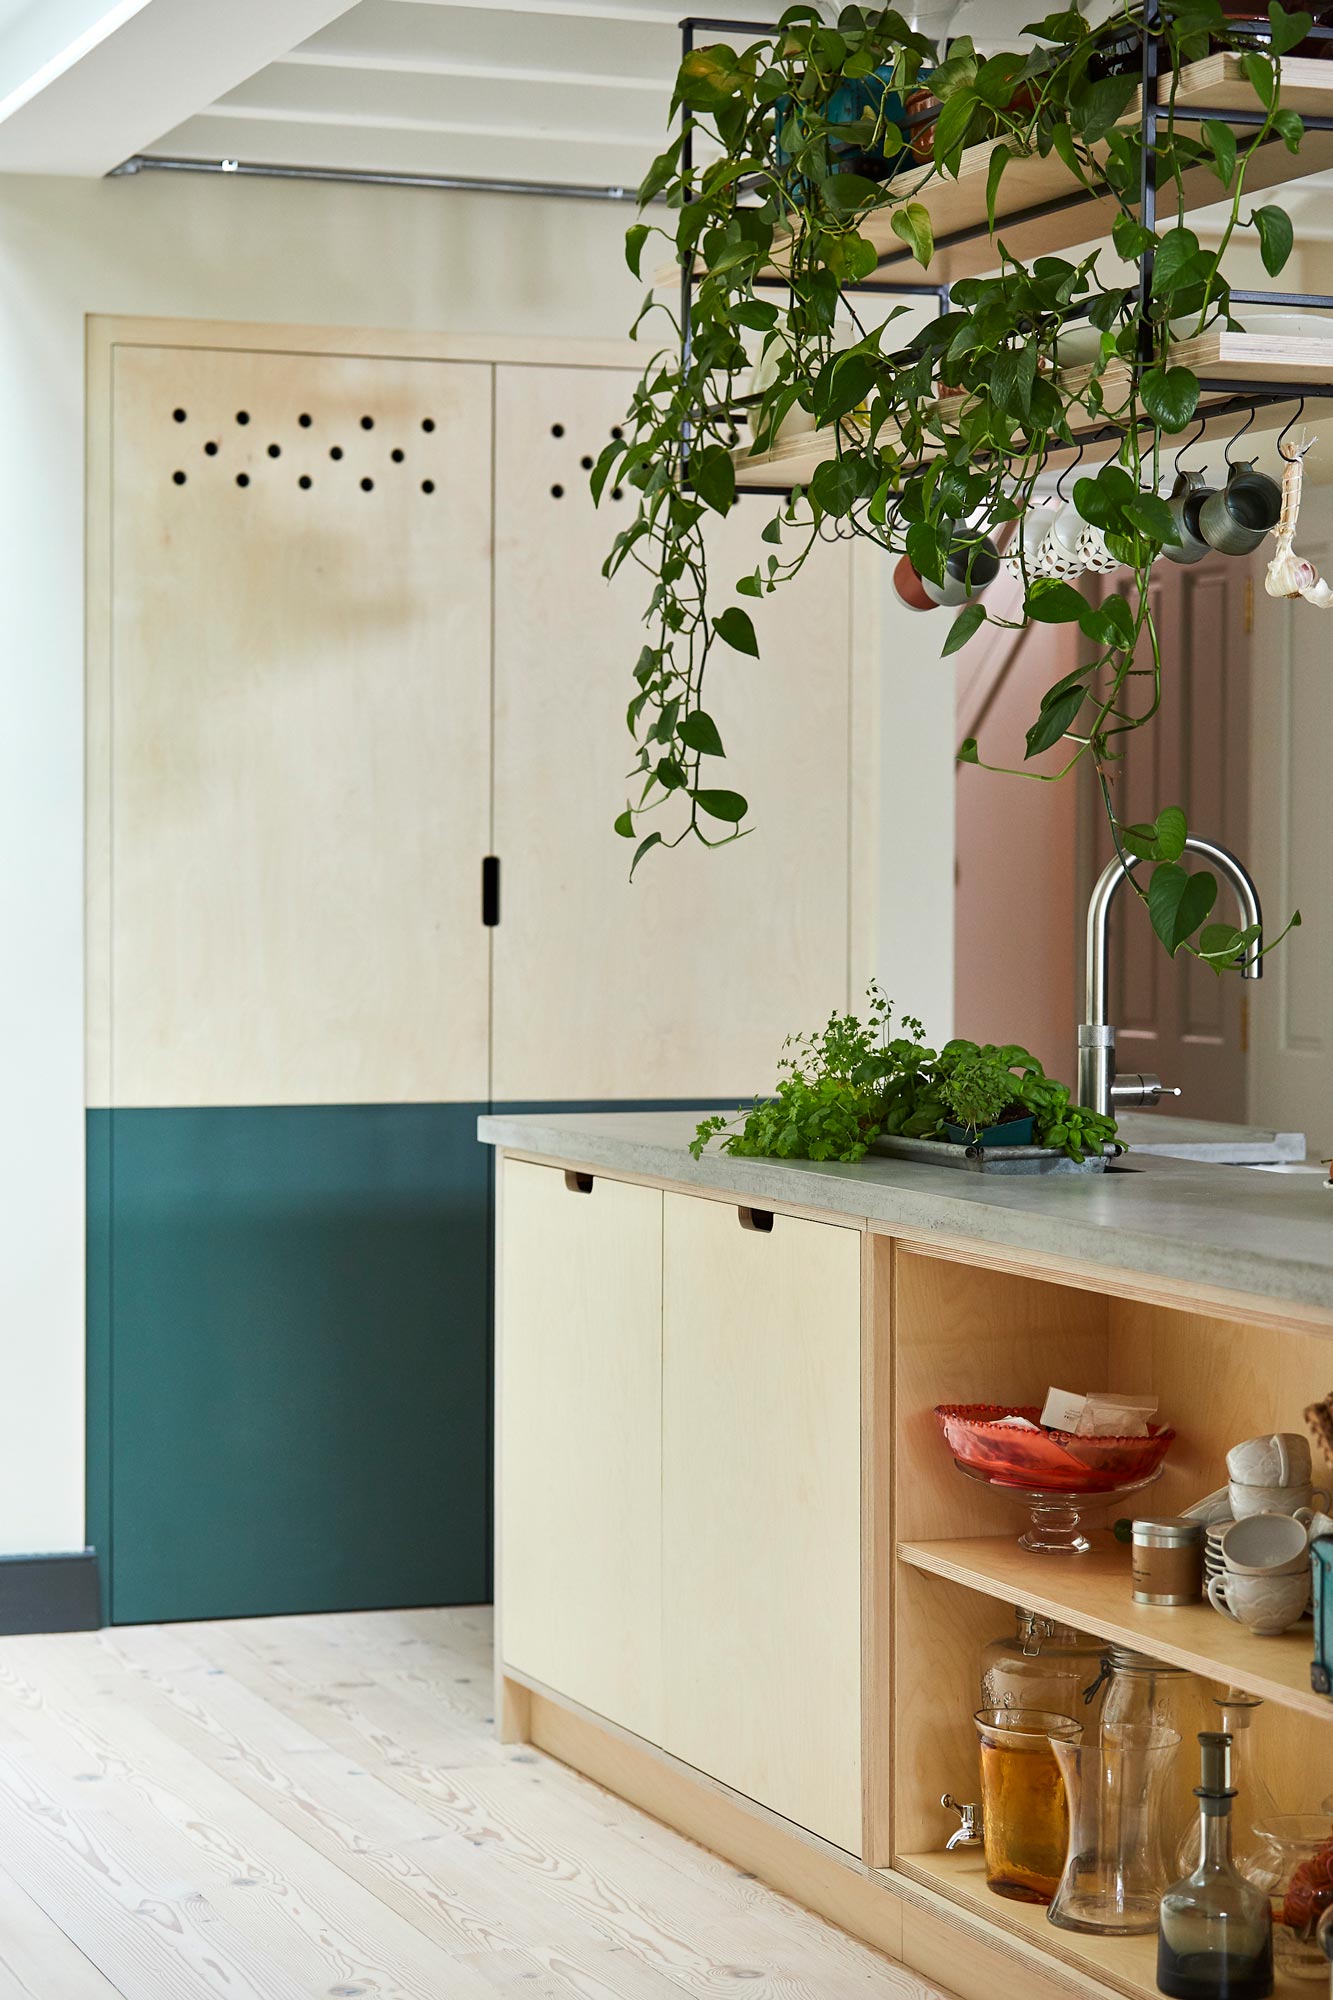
column 1099, row 1087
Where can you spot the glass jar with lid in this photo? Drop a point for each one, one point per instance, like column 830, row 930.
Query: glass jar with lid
column 1140, row 1694
column 1040, row 1665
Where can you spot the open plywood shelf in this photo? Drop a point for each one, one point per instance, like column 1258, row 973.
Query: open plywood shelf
column 1127, row 1964
column 965, row 244
column 1092, row 1592
column 1264, row 360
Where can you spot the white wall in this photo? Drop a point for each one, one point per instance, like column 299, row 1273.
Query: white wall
column 190, row 247
column 267, row 251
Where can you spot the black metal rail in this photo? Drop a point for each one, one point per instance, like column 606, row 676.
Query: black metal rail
column 1229, row 396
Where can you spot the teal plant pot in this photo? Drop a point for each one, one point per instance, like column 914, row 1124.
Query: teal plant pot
column 1016, row 1132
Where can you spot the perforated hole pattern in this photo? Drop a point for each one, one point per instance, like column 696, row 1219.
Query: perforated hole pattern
column 585, row 460
column 215, row 447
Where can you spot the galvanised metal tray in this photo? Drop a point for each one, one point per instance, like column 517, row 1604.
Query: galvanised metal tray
column 991, row 1159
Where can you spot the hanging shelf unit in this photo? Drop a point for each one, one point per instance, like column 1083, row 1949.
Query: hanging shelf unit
column 1040, row 214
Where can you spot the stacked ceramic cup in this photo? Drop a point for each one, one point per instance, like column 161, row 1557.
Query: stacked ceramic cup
column 1271, row 1475
column 1265, row 1580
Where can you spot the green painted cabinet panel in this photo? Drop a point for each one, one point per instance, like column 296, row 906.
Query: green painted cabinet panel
column 289, row 1369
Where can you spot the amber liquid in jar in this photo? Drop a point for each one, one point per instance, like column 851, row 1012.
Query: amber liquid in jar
column 1025, row 1818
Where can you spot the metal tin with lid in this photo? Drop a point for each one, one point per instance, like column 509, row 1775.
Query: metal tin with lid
column 1167, row 1559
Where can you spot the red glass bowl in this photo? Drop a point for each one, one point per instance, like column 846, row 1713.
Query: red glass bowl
column 1054, row 1461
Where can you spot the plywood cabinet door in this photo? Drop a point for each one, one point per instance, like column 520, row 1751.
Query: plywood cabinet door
column 580, row 1440
column 761, row 1509
column 683, row 983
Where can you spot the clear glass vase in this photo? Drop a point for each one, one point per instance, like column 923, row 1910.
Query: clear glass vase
column 1116, row 1867
column 1237, row 1715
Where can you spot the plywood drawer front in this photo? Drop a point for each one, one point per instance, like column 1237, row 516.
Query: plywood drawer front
column 580, row 1440
column 761, row 1499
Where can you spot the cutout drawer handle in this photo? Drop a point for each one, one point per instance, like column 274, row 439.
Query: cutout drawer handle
column 578, row 1183
column 758, row 1219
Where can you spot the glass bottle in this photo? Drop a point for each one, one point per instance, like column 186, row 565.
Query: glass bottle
column 1039, row 1665
column 1215, row 1940
column 1236, row 1713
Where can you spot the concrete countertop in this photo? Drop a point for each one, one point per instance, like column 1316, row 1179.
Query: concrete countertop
column 1240, row 1229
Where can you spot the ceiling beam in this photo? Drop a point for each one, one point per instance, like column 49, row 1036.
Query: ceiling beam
column 102, row 81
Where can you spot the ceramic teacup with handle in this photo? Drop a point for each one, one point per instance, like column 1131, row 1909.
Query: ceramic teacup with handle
column 1280, row 1459
column 1266, row 1605
column 1265, row 1545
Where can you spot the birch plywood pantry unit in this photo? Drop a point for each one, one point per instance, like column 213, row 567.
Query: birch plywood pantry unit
column 348, row 639
column 816, row 1580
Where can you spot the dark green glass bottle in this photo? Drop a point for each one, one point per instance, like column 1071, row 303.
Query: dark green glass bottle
column 1215, row 1936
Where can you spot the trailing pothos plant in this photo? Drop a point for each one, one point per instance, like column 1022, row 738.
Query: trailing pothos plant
column 854, row 1080
column 775, row 128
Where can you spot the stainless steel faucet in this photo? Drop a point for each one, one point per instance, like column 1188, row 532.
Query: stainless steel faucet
column 1099, row 1087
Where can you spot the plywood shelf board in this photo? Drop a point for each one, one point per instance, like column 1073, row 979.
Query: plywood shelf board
column 1128, row 1965
column 1265, row 360
column 1064, row 216
column 1092, row 1592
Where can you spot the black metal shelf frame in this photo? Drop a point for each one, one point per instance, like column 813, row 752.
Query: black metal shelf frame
column 1232, row 396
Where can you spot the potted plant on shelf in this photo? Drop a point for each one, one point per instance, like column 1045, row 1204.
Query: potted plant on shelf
column 763, row 190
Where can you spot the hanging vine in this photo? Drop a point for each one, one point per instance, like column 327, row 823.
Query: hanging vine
column 940, row 440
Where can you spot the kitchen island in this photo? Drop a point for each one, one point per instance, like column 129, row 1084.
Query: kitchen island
column 740, row 1580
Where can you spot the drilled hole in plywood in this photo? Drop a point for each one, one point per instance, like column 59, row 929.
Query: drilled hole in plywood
column 586, row 462
column 557, row 430
column 305, row 420
column 397, row 456
column 178, row 478
column 616, row 431
column 617, row 492
column 304, row 482
column 336, row 451
column 428, row 423
column 428, row 485
column 178, row 416
column 367, row 423
column 367, row 486
column 557, row 492
column 211, row 447
column 242, row 416
column 275, row 451
column 242, row 479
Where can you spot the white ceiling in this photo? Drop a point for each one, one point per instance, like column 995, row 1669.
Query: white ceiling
column 556, row 90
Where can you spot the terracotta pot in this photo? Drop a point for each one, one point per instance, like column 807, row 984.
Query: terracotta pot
column 909, row 588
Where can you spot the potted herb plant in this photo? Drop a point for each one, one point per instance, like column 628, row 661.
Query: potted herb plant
column 980, row 1092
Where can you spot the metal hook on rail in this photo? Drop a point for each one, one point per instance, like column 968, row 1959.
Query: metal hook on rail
column 1291, row 423
column 1071, row 467
column 1200, row 428
column 1239, row 435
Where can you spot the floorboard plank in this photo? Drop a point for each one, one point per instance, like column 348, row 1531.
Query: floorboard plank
column 279, row 1809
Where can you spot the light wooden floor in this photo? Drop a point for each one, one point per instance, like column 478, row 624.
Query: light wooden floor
column 316, row 1806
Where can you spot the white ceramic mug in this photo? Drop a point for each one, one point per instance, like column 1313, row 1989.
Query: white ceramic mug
column 1280, row 1459
column 1057, row 553
column 1266, row 1605
column 1265, row 1545
column 1093, row 553
column 1247, row 1500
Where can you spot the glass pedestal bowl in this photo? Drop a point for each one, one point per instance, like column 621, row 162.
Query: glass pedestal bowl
column 1056, row 1517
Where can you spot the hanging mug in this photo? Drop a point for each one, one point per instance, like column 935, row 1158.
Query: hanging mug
column 1188, row 495
column 1058, row 553
column 1235, row 520
column 970, row 568
column 1094, row 554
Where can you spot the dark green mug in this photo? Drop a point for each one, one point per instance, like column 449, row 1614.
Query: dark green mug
column 1235, row 520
